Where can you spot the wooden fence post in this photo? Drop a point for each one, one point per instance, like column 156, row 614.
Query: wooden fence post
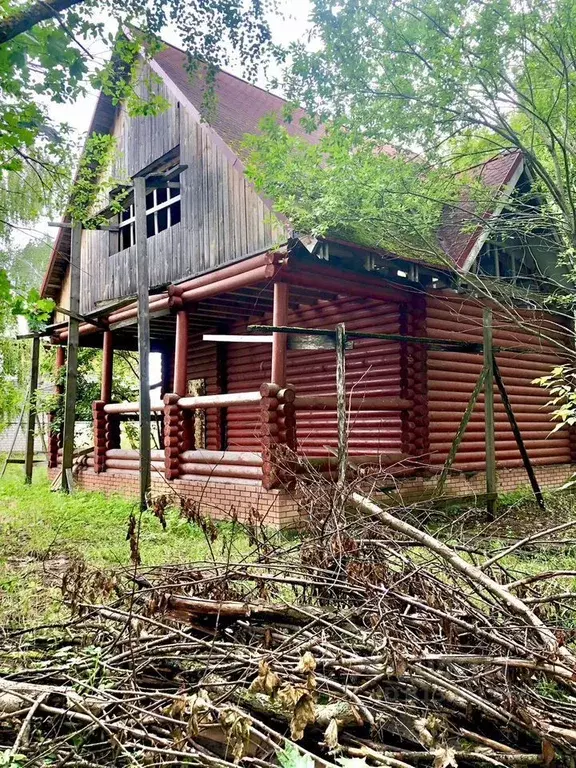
column 32, row 409
column 491, row 480
column 71, row 359
column 142, row 280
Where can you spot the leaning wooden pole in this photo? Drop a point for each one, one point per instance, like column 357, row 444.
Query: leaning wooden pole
column 518, row 437
column 71, row 383
column 142, row 281
column 490, row 443
column 32, row 410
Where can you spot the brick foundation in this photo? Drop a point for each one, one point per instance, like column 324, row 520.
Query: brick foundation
column 218, row 499
column 467, row 484
column 223, row 500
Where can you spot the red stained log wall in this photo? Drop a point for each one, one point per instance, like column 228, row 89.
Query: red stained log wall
column 372, row 369
column 452, row 376
column 203, row 364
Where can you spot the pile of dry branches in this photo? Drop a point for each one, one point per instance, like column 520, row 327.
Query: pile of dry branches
column 366, row 640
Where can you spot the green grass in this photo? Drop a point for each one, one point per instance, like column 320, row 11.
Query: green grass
column 41, row 532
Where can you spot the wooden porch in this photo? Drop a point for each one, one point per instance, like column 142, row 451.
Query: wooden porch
column 273, row 430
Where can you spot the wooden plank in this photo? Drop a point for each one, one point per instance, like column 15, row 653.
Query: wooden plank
column 31, row 428
column 341, row 404
column 71, row 384
column 518, row 437
column 143, row 338
column 313, row 342
column 490, row 440
column 238, row 339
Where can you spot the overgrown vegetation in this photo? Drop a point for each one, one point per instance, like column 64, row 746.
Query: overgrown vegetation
column 367, row 640
column 42, row 532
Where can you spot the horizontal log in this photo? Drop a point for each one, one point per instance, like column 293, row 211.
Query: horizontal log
column 230, row 283
column 316, row 402
column 220, row 470
column 220, row 401
column 246, row 458
column 121, row 453
column 132, row 464
column 239, row 268
column 129, row 408
column 379, row 459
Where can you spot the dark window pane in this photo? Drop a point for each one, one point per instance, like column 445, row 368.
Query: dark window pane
column 125, row 214
column 161, row 195
column 487, row 265
column 173, row 191
column 149, row 201
column 162, row 219
column 125, row 238
column 175, row 212
column 150, row 225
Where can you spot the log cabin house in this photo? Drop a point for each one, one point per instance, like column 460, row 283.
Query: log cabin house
column 219, row 260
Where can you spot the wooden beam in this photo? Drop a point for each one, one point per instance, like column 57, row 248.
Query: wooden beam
column 439, row 344
column 279, row 340
column 32, row 408
column 71, row 384
column 341, row 403
column 142, row 281
column 518, row 436
column 491, row 478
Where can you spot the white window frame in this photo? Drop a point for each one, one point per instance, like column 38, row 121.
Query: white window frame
column 156, row 206
column 129, row 223
column 173, row 196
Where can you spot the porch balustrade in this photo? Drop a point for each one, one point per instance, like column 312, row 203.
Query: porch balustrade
column 273, row 467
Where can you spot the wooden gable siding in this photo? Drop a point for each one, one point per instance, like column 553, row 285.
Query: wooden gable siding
column 222, row 216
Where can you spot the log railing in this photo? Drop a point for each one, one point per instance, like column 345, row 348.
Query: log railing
column 273, row 467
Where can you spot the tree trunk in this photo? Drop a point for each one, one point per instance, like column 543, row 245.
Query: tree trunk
column 24, row 20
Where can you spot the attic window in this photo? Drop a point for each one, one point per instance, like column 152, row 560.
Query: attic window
column 163, row 210
column 513, row 263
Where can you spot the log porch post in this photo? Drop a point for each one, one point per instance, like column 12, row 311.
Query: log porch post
column 181, row 353
column 176, row 434
column 107, row 363
column 279, row 340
